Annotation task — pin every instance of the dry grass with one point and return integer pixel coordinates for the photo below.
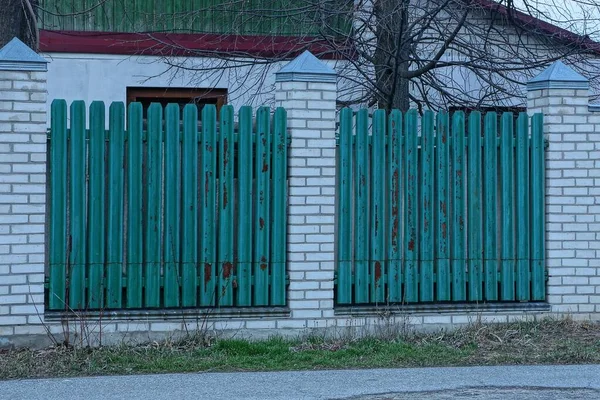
(535, 342)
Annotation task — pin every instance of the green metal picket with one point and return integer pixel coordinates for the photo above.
(149, 238)
(446, 243)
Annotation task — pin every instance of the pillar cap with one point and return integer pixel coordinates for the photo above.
(306, 68)
(17, 56)
(558, 76)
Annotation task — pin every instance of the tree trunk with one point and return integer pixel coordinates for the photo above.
(16, 21)
(392, 53)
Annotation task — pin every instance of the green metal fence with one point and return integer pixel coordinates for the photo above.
(166, 216)
(432, 210)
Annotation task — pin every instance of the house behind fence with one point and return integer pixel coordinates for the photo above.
(267, 222)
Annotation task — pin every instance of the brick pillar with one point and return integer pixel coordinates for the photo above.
(306, 88)
(22, 189)
(572, 189)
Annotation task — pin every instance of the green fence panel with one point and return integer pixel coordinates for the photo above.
(96, 236)
(344, 249)
(226, 207)
(135, 251)
(57, 250)
(522, 209)
(507, 167)
(262, 204)
(442, 255)
(114, 231)
(171, 259)
(427, 225)
(361, 190)
(172, 174)
(279, 217)
(394, 152)
(189, 209)
(458, 207)
(459, 202)
(538, 228)
(77, 189)
(208, 248)
(377, 261)
(490, 187)
(411, 209)
(474, 228)
(153, 226)
(244, 241)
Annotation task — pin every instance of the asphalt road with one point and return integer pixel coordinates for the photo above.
(489, 383)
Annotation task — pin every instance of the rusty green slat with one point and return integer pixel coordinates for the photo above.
(394, 163)
(361, 219)
(538, 229)
(134, 206)
(522, 209)
(474, 228)
(458, 207)
(244, 225)
(344, 256)
(491, 212)
(77, 189)
(96, 235)
(172, 211)
(427, 225)
(226, 208)
(189, 209)
(442, 159)
(114, 245)
(261, 223)
(377, 259)
(57, 256)
(411, 209)
(153, 248)
(507, 168)
(208, 199)
(279, 218)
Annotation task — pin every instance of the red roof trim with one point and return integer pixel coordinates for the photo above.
(170, 44)
(529, 22)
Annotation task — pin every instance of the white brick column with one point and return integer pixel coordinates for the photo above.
(572, 189)
(22, 189)
(306, 88)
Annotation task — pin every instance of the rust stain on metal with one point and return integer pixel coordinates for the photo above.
(377, 271)
(207, 176)
(443, 208)
(411, 244)
(263, 263)
(461, 222)
(234, 284)
(225, 196)
(207, 272)
(226, 154)
(227, 267)
(444, 138)
(265, 166)
(261, 223)
(459, 173)
(444, 230)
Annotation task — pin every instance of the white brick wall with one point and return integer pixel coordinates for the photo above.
(22, 198)
(573, 222)
(572, 198)
(311, 118)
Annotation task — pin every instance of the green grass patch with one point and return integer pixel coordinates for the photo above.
(541, 342)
